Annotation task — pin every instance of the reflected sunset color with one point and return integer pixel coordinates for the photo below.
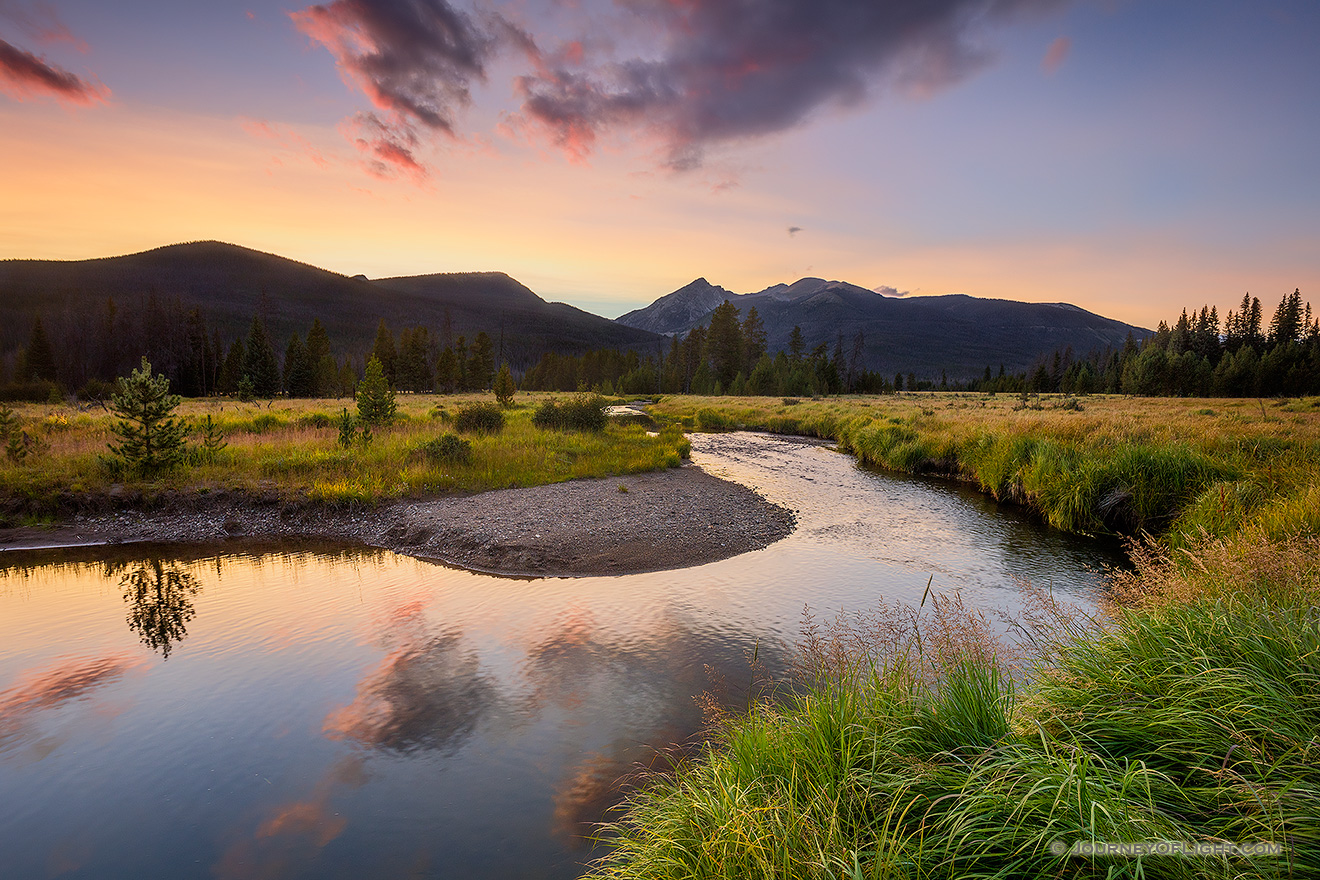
(328, 712)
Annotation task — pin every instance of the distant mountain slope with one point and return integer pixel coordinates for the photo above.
(230, 284)
(680, 309)
(922, 334)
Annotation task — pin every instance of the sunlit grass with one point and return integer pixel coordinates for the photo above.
(290, 449)
(1177, 467)
(1186, 713)
(1188, 717)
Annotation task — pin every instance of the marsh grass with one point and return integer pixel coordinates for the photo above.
(290, 449)
(1119, 465)
(917, 744)
(911, 750)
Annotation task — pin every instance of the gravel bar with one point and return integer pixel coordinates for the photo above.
(618, 525)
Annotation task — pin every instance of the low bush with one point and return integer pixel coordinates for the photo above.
(479, 418)
(316, 420)
(445, 449)
(586, 412)
(713, 420)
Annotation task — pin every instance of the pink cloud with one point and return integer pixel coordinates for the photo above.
(290, 140)
(1055, 55)
(414, 60)
(24, 75)
(41, 22)
(388, 149)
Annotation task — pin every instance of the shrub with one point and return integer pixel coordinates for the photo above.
(97, 390)
(547, 416)
(265, 422)
(34, 392)
(504, 387)
(712, 420)
(586, 412)
(446, 449)
(316, 420)
(479, 418)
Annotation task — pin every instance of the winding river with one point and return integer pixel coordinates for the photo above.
(316, 711)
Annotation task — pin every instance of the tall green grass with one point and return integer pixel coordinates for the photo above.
(915, 749)
(1121, 466)
(1188, 722)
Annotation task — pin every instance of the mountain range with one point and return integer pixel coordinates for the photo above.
(924, 334)
(956, 333)
(230, 284)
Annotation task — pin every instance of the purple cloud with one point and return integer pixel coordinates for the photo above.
(708, 73)
(731, 70)
(23, 75)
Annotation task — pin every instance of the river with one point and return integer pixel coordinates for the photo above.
(319, 711)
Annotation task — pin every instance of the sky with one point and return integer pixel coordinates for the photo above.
(1132, 157)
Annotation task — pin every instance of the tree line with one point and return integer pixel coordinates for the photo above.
(87, 354)
(1196, 356)
(727, 355)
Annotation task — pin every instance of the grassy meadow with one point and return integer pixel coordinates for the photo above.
(914, 743)
(289, 449)
(1173, 467)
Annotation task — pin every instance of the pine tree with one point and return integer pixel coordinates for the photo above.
(796, 344)
(259, 365)
(413, 372)
(724, 343)
(325, 372)
(460, 357)
(198, 357)
(213, 439)
(384, 351)
(375, 398)
(1285, 326)
(297, 369)
(40, 356)
(232, 371)
(753, 339)
(481, 368)
(446, 371)
(150, 438)
(1251, 323)
(504, 387)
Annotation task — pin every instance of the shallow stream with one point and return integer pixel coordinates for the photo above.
(316, 711)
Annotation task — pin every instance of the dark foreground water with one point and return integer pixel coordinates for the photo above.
(316, 712)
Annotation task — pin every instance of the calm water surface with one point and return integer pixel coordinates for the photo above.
(317, 712)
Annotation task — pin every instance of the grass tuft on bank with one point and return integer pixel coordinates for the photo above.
(913, 753)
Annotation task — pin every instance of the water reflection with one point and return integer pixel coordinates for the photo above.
(360, 714)
(427, 694)
(294, 833)
(160, 602)
(46, 691)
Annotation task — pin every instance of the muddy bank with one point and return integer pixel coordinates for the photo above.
(664, 520)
